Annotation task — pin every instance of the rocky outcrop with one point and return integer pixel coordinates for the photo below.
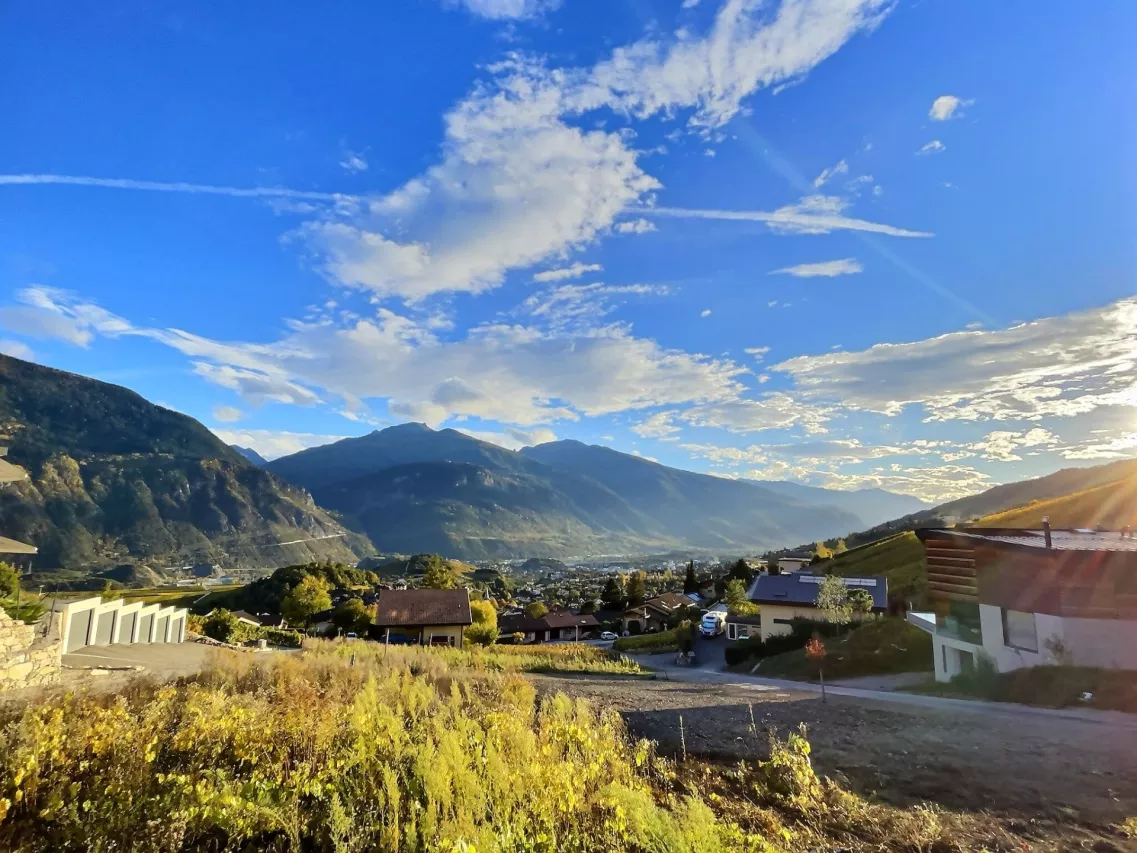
(26, 658)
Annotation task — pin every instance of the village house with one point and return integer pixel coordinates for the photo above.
(655, 614)
(428, 617)
(783, 598)
(1022, 598)
(562, 625)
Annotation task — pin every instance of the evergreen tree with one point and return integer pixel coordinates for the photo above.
(637, 589)
(613, 595)
(740, 570)
(690, 582)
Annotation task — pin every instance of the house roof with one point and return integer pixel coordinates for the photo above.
(398, 608)
(1060, 540)
(244, 614)
(664, 604)
(11, 546)
(744, 620)
(561, 619)
(800, 589)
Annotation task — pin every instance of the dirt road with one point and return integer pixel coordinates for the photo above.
(1043, 768)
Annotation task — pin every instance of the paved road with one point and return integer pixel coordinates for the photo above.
(708, 673)
(163, 659)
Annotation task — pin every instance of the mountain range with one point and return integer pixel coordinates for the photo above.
(412, 488)
(115, 479)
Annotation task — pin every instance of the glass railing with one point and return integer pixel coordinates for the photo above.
(968, 632)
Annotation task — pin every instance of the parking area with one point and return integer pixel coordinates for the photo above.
(164, 660)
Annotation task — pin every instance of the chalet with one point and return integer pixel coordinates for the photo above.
(655, 614)
(1022, 598)
(562, 625)
(428, 617)
(783, 598)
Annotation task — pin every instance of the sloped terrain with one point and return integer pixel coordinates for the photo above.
(114, 478)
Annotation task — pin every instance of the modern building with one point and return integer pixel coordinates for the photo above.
(1023, 598)
(783, 598)
(428, 617)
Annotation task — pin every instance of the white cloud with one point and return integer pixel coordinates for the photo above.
(272, 444)
(518, 183)
(508, 10)
(706, 312)
(689, 4)
(518, 374)
(353, 161)
(935, 484)
(775, 410)
(16, 349)
(582, 304)
(1003, 445)
(933, 147)
(227, 414)
(948, 106)
(1122, 446)
(815, 214)
(513, 439)
(661, 425)
(636, 226)
(758, 352)
(878, 190)
(841, 168)
(48, 312)
(828, 269)
(1054, 367)
(574, 271)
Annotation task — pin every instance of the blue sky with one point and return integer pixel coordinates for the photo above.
(845, 242)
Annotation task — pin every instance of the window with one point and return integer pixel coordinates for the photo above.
(743, 632)
(1019, 631)
(730, 631)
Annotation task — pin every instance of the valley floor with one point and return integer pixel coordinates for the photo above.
(1051, 780)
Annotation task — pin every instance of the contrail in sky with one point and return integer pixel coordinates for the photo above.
(174, 187)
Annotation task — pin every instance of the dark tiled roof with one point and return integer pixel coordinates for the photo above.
(244, 614)
(1060, 540)
(800, 589)
(665, 603)
(525, 624)
(744, 620)
(418, 607)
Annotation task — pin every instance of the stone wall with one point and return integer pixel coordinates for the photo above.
(26, 658)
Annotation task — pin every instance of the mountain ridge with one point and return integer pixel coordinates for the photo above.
(114, 478)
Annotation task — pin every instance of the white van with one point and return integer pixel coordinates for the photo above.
(713, 624)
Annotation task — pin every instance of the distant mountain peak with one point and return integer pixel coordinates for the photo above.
(251, 455)
(409, 427)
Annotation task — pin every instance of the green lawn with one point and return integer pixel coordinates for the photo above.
(879, 647)
(900, 558)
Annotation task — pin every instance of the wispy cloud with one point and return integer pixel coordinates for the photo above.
(227, 414)
(812, 215)
(174, 187)
(353, 161)
(565, 273)
(635, 226)
(948, 106)
(933, 147)
(827, 269)
(840, 169)
(508, 10)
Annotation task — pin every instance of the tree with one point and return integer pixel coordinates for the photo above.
(484, 629)
(840, 547)
(740, 570)
(833, 599)
(9, 581)
(613, 595)
(439, 574)
(772, 566)
(306, 599)
(690, 581)
(821, 551)
(351, 617)
(588, 607)
(536, 609)
(737, 604)
(861, 601)
(637, 589)
(815, 651)
(221, 625)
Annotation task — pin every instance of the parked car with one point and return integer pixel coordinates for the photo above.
(607, 635)
(351, 635)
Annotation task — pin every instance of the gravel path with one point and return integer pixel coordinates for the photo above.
(1042, 767)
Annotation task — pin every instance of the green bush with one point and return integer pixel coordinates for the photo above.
(280, 637)
(661, 641)
(221, 625)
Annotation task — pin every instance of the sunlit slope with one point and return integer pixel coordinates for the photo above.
(1111, 506)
